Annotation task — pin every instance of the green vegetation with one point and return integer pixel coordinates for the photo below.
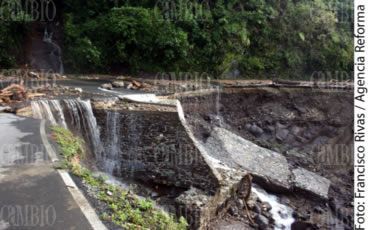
(123, 208)
(259, 37)
(70, 145)
(291, 38)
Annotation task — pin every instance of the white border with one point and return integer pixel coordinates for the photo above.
(361, 107)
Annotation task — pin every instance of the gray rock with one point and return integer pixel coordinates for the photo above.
(270, 129)
(118, 84)
(107, 86)
(266, 206)
(80, 90)
(255, 130)
(256, 209)
(154, 195)
(4, 109)
(236, 152)
(281, 134)
(308, 134)
(295, 130)
(33, 75)
(233, 211)
(318, 210)
(262, 221)
(268, 215)
(311, 182)
(130, 86)
(240, 203)
(295, 153)
(283, 215)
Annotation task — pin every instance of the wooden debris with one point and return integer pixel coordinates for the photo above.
(136, 84)
(33, 95)
(14, 92)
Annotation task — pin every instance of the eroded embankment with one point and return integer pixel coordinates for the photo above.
(311, 128)
(148, 143)
(199, 163)
(153, 144)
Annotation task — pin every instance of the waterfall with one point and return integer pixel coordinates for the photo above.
(50, 110)
(113, 145)
(218, 107)
(76, 113)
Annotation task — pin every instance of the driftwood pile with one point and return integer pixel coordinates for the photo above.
(16, 93)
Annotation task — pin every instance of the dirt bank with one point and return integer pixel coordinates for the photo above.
(312, 128)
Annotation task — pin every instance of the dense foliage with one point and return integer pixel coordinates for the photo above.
(13, 30)
(253, 38)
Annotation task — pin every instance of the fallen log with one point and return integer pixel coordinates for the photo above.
(33, 95)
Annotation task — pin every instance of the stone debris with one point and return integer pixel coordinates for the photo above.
(33, 75)
(79, 90)
(118, 84)
(107, 86)
(269, 168)
(4, 109)
(263, 164)
(311, 182)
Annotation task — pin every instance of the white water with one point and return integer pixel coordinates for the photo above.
(80, 114)
(50, 110)
(282, 214)
(218, 107)
(113, 145)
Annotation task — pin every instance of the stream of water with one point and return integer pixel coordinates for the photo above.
(282, 214)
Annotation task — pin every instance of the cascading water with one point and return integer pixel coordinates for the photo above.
(50, 110)
(76, 113)
(218, 106)
(282, 214)
(113, 146)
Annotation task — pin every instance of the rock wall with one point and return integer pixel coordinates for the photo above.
(154, 147)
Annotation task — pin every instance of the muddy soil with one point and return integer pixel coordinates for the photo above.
(312, 128)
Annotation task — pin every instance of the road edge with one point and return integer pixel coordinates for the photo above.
(76, 193)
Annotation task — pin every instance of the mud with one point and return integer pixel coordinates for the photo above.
(312, 128)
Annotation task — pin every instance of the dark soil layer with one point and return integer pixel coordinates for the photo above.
(312, 128)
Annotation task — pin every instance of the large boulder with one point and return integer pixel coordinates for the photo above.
(268, 167)
(118, 84)
(107, 86)
(311, 183)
